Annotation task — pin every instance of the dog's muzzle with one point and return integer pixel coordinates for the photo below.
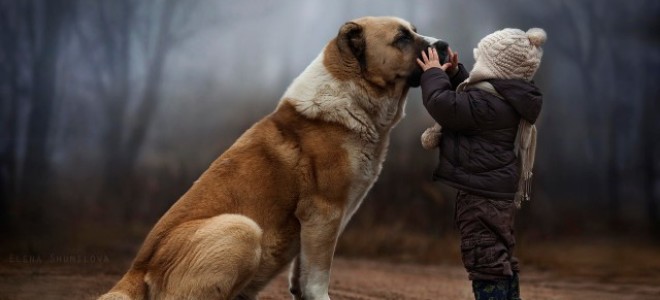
(443, 52)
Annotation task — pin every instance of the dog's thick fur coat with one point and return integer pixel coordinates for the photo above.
(285, 190)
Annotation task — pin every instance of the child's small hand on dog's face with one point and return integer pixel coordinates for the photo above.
(452, 57)
(432, 60)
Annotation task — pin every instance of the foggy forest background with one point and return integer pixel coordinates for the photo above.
(109, 110)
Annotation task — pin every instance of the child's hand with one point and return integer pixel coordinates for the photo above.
(433, 61)
(452, 57)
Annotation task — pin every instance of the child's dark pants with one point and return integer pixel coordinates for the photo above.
(487, 241)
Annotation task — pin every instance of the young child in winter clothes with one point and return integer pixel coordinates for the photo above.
(487, 145)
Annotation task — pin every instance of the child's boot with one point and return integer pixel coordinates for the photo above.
(514, 287)
(491, 289)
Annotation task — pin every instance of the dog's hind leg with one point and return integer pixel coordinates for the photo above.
(213, 258)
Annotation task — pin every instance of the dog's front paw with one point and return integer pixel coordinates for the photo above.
(312, 296)
(296, 293)
(296, 297)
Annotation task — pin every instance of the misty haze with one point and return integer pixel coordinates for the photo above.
(110, 110)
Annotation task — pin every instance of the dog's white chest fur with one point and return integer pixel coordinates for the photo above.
(317, 94)
(366, 163)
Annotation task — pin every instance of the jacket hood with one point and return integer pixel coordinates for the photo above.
(523, 95)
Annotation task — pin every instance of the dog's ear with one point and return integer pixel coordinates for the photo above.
(351, 40)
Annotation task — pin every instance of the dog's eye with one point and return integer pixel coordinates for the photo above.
(403, 40)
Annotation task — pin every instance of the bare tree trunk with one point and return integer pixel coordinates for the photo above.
(45, 45)
(147, 106)
(649, 135)
(613, 180)
(116, 99)
(9, 87)
(615, 121)
(114, 27)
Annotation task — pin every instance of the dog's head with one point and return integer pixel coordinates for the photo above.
(385, 49)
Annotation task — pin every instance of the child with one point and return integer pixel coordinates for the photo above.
(487, 147)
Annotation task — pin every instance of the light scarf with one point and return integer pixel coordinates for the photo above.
(525, 146)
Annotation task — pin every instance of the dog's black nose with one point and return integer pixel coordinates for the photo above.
(442, 47)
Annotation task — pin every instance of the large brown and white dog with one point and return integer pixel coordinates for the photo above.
(286, 189)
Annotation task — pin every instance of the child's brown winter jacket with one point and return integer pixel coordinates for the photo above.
(479, 130)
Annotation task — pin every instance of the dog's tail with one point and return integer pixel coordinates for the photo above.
(131, 287)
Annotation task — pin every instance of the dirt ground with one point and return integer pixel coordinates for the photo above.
(57, 277)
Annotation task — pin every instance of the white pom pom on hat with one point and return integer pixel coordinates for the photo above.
(537, 36)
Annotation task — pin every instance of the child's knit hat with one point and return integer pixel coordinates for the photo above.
(508, 54)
